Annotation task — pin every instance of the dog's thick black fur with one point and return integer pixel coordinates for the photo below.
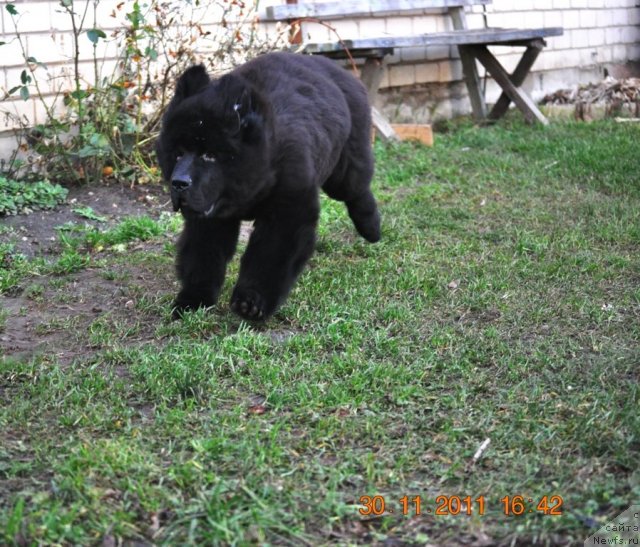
(258, 144)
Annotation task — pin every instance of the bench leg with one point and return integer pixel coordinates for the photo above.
(472, 79)
(371, 76)
(382, 125)
(513, 91)
(469, 67)
(519, 74)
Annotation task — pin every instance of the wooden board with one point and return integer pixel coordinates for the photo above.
(355, 8)
(382, 126)
(414, 132)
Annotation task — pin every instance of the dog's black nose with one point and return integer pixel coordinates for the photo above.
(179, 184)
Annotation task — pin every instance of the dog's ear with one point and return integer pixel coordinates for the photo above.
(249, 107)
(193, 80)
(246, 107)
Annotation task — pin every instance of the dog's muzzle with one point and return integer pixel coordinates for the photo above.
(181, 179)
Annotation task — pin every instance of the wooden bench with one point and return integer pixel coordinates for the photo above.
(472, 45)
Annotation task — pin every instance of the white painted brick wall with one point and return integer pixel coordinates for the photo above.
(544, 5)
(579, 3)
(399, 26)
(570, 19)
(402, 75)
(596, 37)
(372, 27)
(427, 73)
(579, 38)
(425, 24)
(561, 4)
(533, 19)
(613, 35)
(620, 17)
(341, 29)
(589, 18)
(450, 70)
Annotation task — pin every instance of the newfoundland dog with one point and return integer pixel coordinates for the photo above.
(258, 144)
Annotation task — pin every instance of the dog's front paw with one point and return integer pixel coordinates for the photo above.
(180, 308)
(249, 304)
(184, 303)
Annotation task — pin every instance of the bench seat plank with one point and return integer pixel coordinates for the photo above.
(494, 36)
(359, 8)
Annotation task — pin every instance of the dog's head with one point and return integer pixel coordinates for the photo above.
(213, 147)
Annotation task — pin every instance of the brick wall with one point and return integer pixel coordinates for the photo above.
(47, 37)
(598, 34)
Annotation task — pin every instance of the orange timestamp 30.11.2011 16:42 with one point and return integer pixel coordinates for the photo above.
(458, 505)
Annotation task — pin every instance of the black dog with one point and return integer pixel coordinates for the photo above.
(258, 144)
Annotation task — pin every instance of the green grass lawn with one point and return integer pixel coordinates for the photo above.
(502, 303)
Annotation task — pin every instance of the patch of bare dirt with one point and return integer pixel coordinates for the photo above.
(36, 233)
(52, 315)
(60, 316)
(57, 322)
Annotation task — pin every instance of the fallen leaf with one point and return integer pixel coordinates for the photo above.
(257, 409)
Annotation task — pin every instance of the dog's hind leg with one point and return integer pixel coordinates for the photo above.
(350, 182)
(363, 211)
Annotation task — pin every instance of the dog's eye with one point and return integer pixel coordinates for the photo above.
(208, 158)
(225, 155)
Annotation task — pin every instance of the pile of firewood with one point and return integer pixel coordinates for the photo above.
(619, 97)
